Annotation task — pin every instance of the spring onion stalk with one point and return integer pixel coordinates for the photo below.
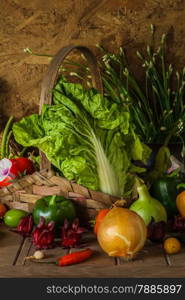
(6, 137)
(161, 104)
(154, 109)
(7, 144)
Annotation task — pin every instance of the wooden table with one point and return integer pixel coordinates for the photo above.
(150, 262)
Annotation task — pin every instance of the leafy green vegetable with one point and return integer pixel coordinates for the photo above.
(88, 138)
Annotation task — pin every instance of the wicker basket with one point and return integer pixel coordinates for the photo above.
(26, 191)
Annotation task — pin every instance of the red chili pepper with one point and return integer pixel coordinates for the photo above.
(75, 258)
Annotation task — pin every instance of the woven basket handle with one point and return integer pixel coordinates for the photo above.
(51, 78)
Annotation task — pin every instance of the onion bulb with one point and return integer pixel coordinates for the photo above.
(122, 233)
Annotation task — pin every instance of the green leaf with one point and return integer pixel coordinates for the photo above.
(86, 137)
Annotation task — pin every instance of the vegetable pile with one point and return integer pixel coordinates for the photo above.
(97, 141)
(86, 137)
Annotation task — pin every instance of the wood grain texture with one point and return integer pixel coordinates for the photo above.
(151, 254)
(50, 271)
(99, 257)
(46, 28)
(150, 261)
(9, 245)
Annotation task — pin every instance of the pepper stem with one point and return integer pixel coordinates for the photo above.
(53, 200)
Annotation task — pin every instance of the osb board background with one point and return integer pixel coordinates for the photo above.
(45, 26)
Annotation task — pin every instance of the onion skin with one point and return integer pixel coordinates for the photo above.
(122, 233)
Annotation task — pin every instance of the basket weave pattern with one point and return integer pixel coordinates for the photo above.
(24, 192)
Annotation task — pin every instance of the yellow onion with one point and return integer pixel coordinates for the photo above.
(122, 233)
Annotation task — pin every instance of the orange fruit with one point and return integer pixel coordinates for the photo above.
(3, 210)
(180, 203)
(172, 245)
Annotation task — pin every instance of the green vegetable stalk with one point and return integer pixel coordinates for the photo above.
(147, 207)
(109, 182)
(5, 140)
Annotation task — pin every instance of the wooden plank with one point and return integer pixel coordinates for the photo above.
(150, 261)
(51, 255)
(9, 245)
(26, 246)
(99, 257)
(89, 240)
(79, 271)
(150, 254)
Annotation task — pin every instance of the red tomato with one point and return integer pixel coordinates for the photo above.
(22, 165)
(11, 168)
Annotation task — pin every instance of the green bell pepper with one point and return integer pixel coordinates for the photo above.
(165, 190)
(54, 208)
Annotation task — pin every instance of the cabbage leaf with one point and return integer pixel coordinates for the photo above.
(86, 137)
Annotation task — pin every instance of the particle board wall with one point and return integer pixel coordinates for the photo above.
(45, 26)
